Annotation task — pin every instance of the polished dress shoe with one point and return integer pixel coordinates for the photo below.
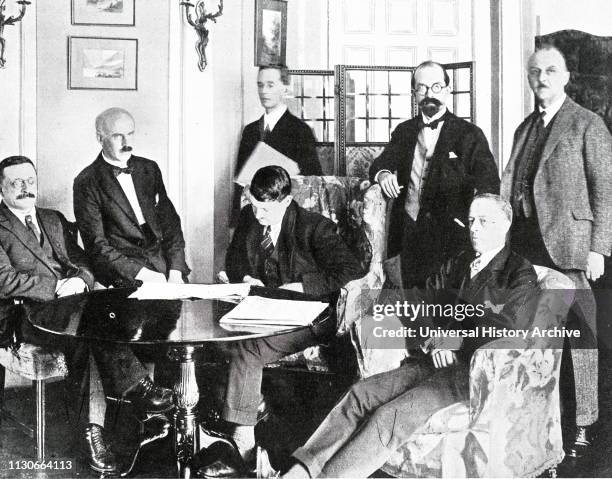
(101, 458)
(219, 460)
(153, 428)
(581, 443)
(147, 396)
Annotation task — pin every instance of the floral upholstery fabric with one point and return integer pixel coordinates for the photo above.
(360, 158)
(511, 425)
(34, 362)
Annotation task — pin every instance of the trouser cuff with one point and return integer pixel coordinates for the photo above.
(244, 418)
(309, 461)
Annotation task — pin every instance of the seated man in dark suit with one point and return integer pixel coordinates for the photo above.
(277, 127)
(280, 245)
(129, 226)
(381, 412)
(41, 260)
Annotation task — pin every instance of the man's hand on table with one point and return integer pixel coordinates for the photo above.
(175, 276)
(149, 276)
(68, 286)
(299, 287)
(443, 358)
(252, 281)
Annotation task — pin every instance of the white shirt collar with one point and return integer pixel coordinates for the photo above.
(22, 214)
(483, 260)
(119, 164)
(552, 109)
(428, 120)
(271, 119)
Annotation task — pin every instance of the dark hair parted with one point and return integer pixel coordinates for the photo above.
(12, 161)
(429, 64)
(271, 183)
(283, 71)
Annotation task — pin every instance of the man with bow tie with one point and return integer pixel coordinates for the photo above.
(380, 413)
(129, 226)
(433, 166)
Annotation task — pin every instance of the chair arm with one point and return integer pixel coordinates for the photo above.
(514, 398)
(357, 298)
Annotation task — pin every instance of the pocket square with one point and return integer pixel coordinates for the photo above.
(452, 155)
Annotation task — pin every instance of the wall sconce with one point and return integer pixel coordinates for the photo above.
(4, 20)
(200, 27)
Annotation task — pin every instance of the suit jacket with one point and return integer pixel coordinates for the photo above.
(310, 251)
(449, 187)
(290, 136)
(572, 188)
(114, 241)
(25, 271)
(508, 281)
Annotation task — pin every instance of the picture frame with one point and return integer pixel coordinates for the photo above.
(96, 63)
(270, 32)
(103, 12)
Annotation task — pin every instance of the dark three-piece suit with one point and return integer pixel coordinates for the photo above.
(30, 271)
(461, 166)
(117, 246)
(308, 251)
(381, 412)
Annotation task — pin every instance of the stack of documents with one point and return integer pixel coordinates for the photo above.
(186, 291)
(265, 155)
(258, 311)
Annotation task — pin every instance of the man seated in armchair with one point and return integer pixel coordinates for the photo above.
(378, 414)
(41, 260)
(279, 245)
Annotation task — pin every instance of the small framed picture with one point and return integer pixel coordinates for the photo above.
(270, 32)
(102, 63)
(104, 12)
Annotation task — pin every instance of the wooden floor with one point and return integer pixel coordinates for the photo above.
(300, 401)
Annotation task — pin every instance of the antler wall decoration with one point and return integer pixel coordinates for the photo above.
(4, 20)
(199, 24)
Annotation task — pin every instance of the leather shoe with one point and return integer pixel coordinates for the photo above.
(581, 443)
(219, 460)
(147, 396)
(263, 411)
(101, 458)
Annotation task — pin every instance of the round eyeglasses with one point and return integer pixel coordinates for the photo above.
(423, 89)
(19, 183)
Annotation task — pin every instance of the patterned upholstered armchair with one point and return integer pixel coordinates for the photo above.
(360, 213)
(511, 425)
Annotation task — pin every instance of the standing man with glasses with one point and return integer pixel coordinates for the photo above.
(559, 181)
(433, 166)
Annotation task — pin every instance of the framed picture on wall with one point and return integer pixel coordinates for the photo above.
(102, 63)
(103, 12)
(270, 32)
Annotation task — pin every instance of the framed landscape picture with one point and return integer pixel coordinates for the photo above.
(102, 63)
(103, 12)
(270, 32)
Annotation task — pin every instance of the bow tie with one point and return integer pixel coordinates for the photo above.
(433, 125)
(127, 170)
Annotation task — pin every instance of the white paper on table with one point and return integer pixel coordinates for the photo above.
(265, 155)
(184, 291)
(258, 310)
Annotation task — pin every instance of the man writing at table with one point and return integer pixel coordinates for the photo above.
(41, 260)
(129, 226)
(277, 244)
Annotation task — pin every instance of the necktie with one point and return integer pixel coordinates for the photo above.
(32, 227)
(475, 266)
(266, 132)
(267, 246)
(127, 170)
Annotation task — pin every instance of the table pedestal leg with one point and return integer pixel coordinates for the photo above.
(187, 397)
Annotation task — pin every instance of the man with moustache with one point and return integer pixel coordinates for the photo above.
(41, 260)
(129, 226)
(433, 166)
(559, 181)
(378, 414)
(278, 127)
